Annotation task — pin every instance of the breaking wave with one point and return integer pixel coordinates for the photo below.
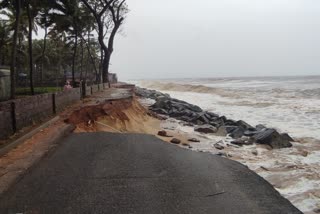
(189, 88)
(180, 87)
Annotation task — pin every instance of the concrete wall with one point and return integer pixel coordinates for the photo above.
(35, 109)
(32, 110)
(4, 84)
(66, 98)
(5, 120)
(95, 89)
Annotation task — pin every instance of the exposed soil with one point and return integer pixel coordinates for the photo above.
(121, 116)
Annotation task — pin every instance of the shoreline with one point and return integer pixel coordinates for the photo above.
(292, 171)
(282, 168)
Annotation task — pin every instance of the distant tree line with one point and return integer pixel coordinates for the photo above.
(78, 34)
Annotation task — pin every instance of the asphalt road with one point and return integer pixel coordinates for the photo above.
(131, 173)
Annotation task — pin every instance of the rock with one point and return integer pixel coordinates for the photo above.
(186, 144)
(151, 94)
(244, 125)
(160, 111)
(287, 136)
(255, 152)
(249, 133)
(316, 210)
(272, 138)
(304, 153)
(184, 118)
(222, 119)
(194, 140)
(238, 142)
(260, 127)
(222, 131)
(163, 134)
(184, 105)
(175, 141)
(176, 113)
(162, 98)
(222, 154)
(188, 113)
(206, 129)
(212, 115)
(204, 119)
(237, 133)
(215, 124)
(225, 130)
(230, 123)
(218, 146)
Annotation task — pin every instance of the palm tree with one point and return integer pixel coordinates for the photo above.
(71, 18)
(5, 37)
(15, 6)
(44, 20)
(31, 13)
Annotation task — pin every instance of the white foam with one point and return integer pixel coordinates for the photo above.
(290, 105)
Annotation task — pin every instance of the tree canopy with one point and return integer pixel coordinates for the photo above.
(78, 40)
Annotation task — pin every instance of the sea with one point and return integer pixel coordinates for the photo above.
(288, 104)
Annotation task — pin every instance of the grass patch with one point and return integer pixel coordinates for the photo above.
(37, 90)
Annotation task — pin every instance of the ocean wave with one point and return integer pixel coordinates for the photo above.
(311, 93)
(189, 88)
(237, 93)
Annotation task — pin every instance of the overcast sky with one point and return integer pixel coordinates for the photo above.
(214, 38)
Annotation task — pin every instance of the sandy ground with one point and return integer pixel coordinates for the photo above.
(124, 116)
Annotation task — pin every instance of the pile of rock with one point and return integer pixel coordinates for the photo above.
(150, 94)
(208, 122)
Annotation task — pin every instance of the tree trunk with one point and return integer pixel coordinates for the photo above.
(74, 58)
(105, 67)
(81, 62)
(43, 53)
(107, 57)
(30, 48)
(14, 49)
(91, 58)
(101, 65)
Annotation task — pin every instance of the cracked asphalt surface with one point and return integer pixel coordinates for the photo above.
(135, 173)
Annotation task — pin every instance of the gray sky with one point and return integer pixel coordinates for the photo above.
(214, 38)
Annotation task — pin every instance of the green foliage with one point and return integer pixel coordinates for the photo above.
(37, 90)
(70, 39)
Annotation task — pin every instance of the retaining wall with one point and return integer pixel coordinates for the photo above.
(19, 113)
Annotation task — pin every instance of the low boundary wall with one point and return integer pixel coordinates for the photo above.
(19, 113)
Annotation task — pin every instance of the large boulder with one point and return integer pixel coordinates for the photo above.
(241, 142)
(162, 104)
(185, 106)
(160, 111)
(175, 141)
(218, 146)
(206, 129)
(245, 125)
(225, 130)
(287, 136)
(163, 133)
(176, 113)
(230, 123)
(272, 138)
(260, 127)
(194, 140)
(237, 133)
(151, 94)
(162, 98)
(212, 115)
